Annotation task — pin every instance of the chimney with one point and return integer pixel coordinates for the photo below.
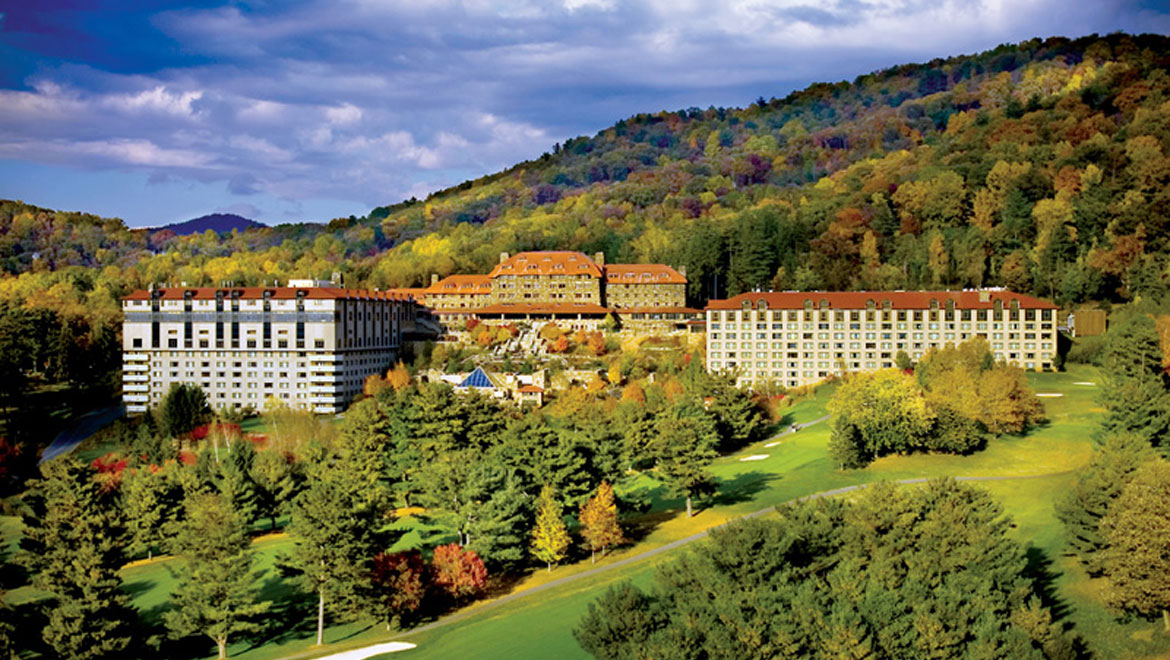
(682, 270)
(503, 257)
(984, 295)
(599, 258)
(434, 279)
(337, 278)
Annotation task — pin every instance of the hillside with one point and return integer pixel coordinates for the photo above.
(216, 222)
(1039, 166)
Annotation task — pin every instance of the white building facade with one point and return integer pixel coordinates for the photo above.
(309, 345)
(796, 338)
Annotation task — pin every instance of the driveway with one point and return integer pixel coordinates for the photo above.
(80, 429)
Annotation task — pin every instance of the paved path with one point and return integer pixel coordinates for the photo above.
(774, 440)
(80, 429)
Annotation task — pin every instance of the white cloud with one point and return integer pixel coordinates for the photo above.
(346, 113)
(156, 99)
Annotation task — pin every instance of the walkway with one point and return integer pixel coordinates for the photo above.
(80, 429)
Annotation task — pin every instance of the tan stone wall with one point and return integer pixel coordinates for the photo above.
(566, 289)
(646, 295)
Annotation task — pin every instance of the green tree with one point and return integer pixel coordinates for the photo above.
(599, 522)
(498, 531)
(183, 408)
(1137, 530)
(684, 449)
(73, 544)
(275, 476)
(235, 480)
(550, 537)
(876, 414)
(1134, 390)
(333, 553)
(1098, 486)
(152, 499)
(902, 360)
(216, 594)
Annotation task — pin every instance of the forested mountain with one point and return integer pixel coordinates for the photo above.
(1040, 166)
(216, 222)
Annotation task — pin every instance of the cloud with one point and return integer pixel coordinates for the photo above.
(367, 101)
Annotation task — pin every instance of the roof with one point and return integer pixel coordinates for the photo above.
(967, 299)
(547, 263)
(542, 308)
(530, 389)
(658, 310)
(642, 274)
(462, 284)
(274, 293)
(477, 378)
(419, 294)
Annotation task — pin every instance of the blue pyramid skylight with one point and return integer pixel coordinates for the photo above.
(476, 378)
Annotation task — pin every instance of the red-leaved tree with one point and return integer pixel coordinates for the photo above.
(399, 580)
(458, 573)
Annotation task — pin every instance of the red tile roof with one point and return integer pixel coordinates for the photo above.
(276, 293)
(547, 263)
(657, 310)
(530, 389)
(642, 274)
(898, 299)
(462, 284)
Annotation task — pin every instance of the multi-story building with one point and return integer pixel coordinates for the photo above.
(309, 345)
(458, 291)
(797, 338)
(645, 285)
(546, 277)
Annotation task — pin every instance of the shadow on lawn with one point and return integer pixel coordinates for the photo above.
(743, 488)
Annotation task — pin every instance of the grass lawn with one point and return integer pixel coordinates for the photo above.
(540, 626)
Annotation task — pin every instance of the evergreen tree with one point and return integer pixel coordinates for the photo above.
(497, 532)
(1137, 530)
(1134, 390)
(1096, 489)
(183, 408)
(73, 544)
(152, 500)
(599, 522)
(215, 595)
(684, 448)
(550, 537)
(235, 480)
(275, 476)
(338, 525)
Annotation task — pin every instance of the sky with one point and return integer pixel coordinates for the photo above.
(306, 110)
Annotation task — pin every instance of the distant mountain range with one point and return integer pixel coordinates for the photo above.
(216, 222)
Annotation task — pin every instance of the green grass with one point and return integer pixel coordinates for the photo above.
(540, 626)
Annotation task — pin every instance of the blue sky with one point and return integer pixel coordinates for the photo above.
(307, 110)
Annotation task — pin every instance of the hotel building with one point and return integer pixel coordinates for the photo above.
(797, 338)
(310, 344)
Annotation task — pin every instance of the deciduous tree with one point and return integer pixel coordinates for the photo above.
(550, 537)
(1137, 530)
(599, 522)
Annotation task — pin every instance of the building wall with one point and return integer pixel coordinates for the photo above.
(568, 288)
(240, 357)
(795, 347)
(645, 295)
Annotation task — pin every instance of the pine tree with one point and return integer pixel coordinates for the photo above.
(338, 524)
(275, 476)
(235, 480)
(151, 501)
(73, 545)
(550, 537)
(1137, 529)
(684, 448)
(183, 408)
(1096, 489)
(497, 533)
(599, 522)
(1134, 390)
(215, 595)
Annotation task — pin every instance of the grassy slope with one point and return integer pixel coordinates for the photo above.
(540, 626)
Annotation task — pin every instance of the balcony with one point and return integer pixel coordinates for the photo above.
(135, 357)
(334, 390)
(135, 408)
(136, 388)
(135, 367)
(134, 377)
(143, 398)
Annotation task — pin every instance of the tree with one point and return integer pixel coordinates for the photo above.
(183, 408)
(333, 553)
(216, 593)
(684, 447)
(1095, 491)
(1137, 529)
(275, 476)
(902, 360)
(235, 480)
(1134, 390)
(398, 580)
(599, 522)
(398, 377)
(876, 414)
(73, 544)
(550, 537)
(498, 532)
(152, 499)
(457, 573)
